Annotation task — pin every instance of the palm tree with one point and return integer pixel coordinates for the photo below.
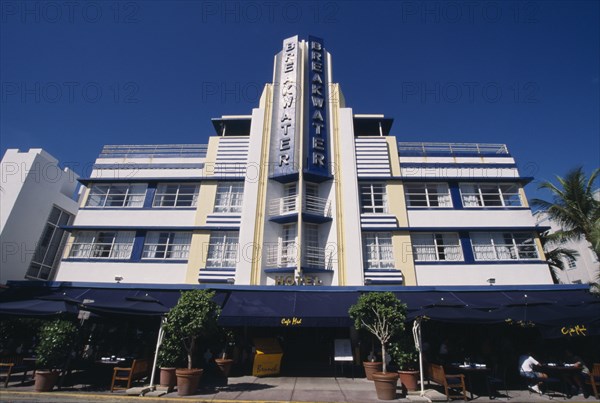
(573, 206)
(555, 257)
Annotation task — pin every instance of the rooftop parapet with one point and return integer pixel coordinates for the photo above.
(154, 151)
(452, 149)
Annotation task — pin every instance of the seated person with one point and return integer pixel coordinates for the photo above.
(576, 379)
(526, 370)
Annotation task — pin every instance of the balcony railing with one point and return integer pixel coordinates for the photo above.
(407, 148)
(312, 257)
(155, 151)
(289, 204)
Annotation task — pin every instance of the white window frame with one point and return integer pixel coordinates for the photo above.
(175, 198)
(52, 241)
(500, 197)
(490, 246)
(378, 250)
(229, 197)
(442, 246)
(435, 195)
(368, 194)
(96, 244)
(103, 195)
(222, 249)
(164, 245)
(288, 249)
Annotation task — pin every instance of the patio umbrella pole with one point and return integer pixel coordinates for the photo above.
(418, 344)
(159, 340)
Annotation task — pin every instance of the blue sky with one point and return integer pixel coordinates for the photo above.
(77, 75)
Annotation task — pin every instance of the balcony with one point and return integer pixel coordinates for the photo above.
(452, 149)
(284, 259)
(285, 209)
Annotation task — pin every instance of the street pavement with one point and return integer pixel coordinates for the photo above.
(262, 390)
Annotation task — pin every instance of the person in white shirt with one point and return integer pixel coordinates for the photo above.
(527, 370)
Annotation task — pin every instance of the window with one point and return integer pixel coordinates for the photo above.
(504, 246)
(102, 244)
(117, 195)
(373, 198)
(378, 250)
(436, 247)
(222, 249)
(176, 195)
(571, 262)
(167, 245)
(289, 198)
(314, 256)
(289, 251)
(229, 197)
(52, 241)
(427, 195)
(490, 195)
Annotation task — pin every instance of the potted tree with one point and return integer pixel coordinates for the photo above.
(404, 353)
(195, 315)
(382, 314)
(56, 340)
(170, 355)
(223, 363)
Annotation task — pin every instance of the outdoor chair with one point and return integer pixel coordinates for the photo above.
(594, 379)
(454, 382)
(140, 368)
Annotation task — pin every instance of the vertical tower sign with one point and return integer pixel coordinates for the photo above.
(317, 155)
(285, 101)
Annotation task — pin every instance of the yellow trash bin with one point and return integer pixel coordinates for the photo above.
(267, 360)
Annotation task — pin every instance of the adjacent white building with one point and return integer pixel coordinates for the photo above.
(37, 199)
(584, 268)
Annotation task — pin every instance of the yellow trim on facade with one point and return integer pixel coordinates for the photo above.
(540, 249)
(211, 156)
(83, 200)
(337, 181)
(206, 201)
(523, 197)
(403, 256)
(197, 256)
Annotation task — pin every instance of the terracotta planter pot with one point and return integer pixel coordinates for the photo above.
(45, 380)
(224, 366)
(409, 380)
(187, 380)
(372, 367)
(385, 385)
(168, 378)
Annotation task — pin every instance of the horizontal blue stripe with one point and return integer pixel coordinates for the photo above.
(107, 260)
(137, 208)
(455, 229)
(450, 154)
(87, 181)
(468, 208)
(149, 166)
(478, 262)
(443, 179)
(321, 288)
(455, 165)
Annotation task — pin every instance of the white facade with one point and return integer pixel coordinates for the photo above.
(585, 268)
(304, 191)
(32, 185)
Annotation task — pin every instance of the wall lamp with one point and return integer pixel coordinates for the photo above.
(492, 281)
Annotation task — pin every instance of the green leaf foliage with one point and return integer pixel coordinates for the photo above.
(382, 314)
(403, 352)
(195, 315)
(171, 353)
(56, 340)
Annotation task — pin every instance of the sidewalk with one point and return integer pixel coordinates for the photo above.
(252, 389)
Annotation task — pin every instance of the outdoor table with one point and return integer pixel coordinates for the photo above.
(470, 371)
(106, 365)
(560, 371)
